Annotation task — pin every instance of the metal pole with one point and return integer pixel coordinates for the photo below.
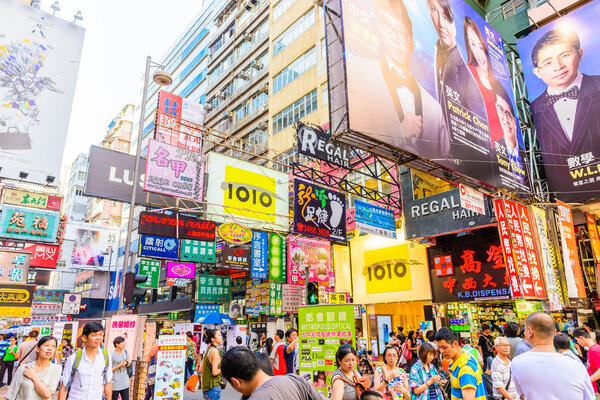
(138, 150)
(108, 283)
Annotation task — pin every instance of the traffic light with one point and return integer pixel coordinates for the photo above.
(312, 293)
(131, 292)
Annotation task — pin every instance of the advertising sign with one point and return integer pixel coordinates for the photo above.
(213, 289)
(174, 171)
(444, 96)
(594, 238)
(46, 308)
(322, 329)
(479, 270)
(16, 300)
(40, 58)
(257, 298)
(170, 364)
(236, 258)
(259, 268)
(198, 250)
(252, 193)
(71, 303)
(374, 219)
(92, 243)
(64, 330)
(277, 257)
(203, 309)
(152, 269)
(471, 199)
(510, 256)
(291, 298)
(28, 224)
(319, 211)
(43, 255)
(313, 255)
(532, 257)
(181, 270)
(563, 83)
(49, 295)
(573, 273)
(179, 121)
(316, 143)
(25, 198)
(125, 326)
(181, 226)
(14, 266)
(235, 233)
(275, 300)
(387, 269)
(158, 246)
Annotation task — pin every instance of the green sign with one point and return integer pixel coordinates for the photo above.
(198, 250)
(277, 258)
(213, 289)
(275, 302)
(322, 330)
(152, 269)
(28, 223)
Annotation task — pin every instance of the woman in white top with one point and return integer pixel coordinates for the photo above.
(37, 380)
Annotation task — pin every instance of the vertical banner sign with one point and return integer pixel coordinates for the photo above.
(532, 256)
(260, 254)
(275, 300)
(170, 364)
(573, 273)
(277, 257)
(516, 234)
(511, 268)
(312, 254)
(179, 121)
(595, 241)
(322, 329)
(152, 269)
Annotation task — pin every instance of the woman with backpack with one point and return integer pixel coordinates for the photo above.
(120, 364)
(37, 380)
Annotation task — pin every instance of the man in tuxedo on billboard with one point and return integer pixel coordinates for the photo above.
(567, 116)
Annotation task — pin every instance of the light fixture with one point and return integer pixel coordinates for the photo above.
(162, 78)
(50, 179)
(77, 16)
(23, 175)
(55, 7)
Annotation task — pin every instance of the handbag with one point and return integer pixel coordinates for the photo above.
(405, 352)
(192, 384)
(129, 366)
(361, 383)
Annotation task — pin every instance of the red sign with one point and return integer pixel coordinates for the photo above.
(443, 266)
(182, 226)
(532, 256)
(511, 268)
(43, 255)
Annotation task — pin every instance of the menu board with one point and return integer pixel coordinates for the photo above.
(170, 363)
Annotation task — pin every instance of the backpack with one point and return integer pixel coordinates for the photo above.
(78, 356)
(489, 385)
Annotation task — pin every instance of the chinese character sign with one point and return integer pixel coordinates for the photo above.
(313, 255)
(374, 219)
(573, 273)
(292, 298)
(181, 270)
(174, 171)
(260, 255)
(322, 329)
(14, 266)
(26, 223)
(33, 200)
(49, 295)
(236, 258)
(257, 298)
(152, 269)
(532, 256)
(203, 309)
(170, 364)
(16, 300)
(179, 121)
(319, 211)
(125, 326)
(43, 255)
(511, 265)
(277, 257)
(275, 301)
(198, 250)
(213, 289)
(158, 246)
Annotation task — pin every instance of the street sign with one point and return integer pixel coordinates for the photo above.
(71, 303)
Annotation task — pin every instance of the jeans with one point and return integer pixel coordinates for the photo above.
(124, 394)
(189, 368)
(488, 362)
(213, 394)
(7, 366)
(149, 392)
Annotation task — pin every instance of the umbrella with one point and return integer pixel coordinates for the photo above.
(216, 318)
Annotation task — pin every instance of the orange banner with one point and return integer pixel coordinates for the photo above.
(573, 273)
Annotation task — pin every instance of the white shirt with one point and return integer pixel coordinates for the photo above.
(87, 383)
(551, 376)
(566, 108)
(407, 99)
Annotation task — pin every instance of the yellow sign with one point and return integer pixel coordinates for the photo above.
(235, 233)
(387, 269)
(34, 200)
(337, 298)
(15, 311)
(249, 194)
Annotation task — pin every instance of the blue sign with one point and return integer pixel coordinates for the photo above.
(260, 254)
(112, 302)
(202, 309)
(374, 219)
(160, 247)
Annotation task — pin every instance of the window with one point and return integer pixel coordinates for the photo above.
(294, 31)
(511, 7)
(240, 113)
(324, 95)
(295, 112)
(224, 125)
(163, 293)
(290, 73)
(258, 136)
(257, 101)
(81, 175)
(323, 48)
(261, 31)
(280, 8)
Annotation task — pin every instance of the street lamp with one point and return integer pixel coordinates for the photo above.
(161, 78)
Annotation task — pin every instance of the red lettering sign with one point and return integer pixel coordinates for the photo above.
(511, 268)
(532, 256)
(43, 255)
(182, 226)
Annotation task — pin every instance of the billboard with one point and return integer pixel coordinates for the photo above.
(563, 84)
(181, 226)
(28, 224)
(374, 219)
(249, 192)
(14, 266)
(181, 270)
(159, 246)
(25, 198)
(442, 85)
(92, 243)
(174, 171)
(179, 121)
(43, 255)
(16, 300)
(39, 59)
(309, 254)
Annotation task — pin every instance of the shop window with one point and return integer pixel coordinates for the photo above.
(426, 185)
(182, 292)
(163, 293)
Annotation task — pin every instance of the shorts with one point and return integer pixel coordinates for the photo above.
(213, 394)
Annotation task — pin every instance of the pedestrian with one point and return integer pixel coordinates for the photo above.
(264, 363)
(242, 370)
(562, 344)
(511, 332)
(88, 374)
(268, 347)
(401, 336)
(393, 340)
(412, 347)
(210, 368)
(504, 385)
(290, 351)
(486, 347)
(37, 380)
(584, 339)
(371, 395)
(343, 379)
(390, 379)
(190, 355)
(466, 345)
(150, 378)
(542, 373)
(466, 379)
(424, 380)
(420, 338)
(277, 354)
(26, 353)
(524, 346)
(66, 351)
(8, 361)
(120, 363)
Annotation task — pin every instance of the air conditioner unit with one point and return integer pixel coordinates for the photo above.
(208, 107)
(257, 65)
(244, 75)
(218, 22)
(264, 88)
(263, 109)
(262, 125)
(227, 114)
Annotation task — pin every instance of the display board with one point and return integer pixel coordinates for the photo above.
(170, 363)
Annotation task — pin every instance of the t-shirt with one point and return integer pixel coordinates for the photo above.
(514, 343)
(120, 378)
(289, 360)
(501, 376)
(279, 367)
(551, 376)
(25, 348)
(593, 363)
(486, 343)
(465, 373)
(285, 387)
(522, 347)
(11, 353)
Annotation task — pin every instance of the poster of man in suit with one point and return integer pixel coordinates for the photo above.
(564, 88)
(420, 77)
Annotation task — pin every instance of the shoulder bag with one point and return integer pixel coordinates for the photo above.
(361, 383)
(129, 365)
(387, 392)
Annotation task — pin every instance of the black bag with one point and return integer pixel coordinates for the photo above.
(129, 366)
(489, 386)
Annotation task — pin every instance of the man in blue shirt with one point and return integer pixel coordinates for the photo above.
(290, 351)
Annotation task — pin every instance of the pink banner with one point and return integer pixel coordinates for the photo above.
(181, 270)
(314, 254)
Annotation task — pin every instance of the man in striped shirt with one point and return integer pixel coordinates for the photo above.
(465, 373)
